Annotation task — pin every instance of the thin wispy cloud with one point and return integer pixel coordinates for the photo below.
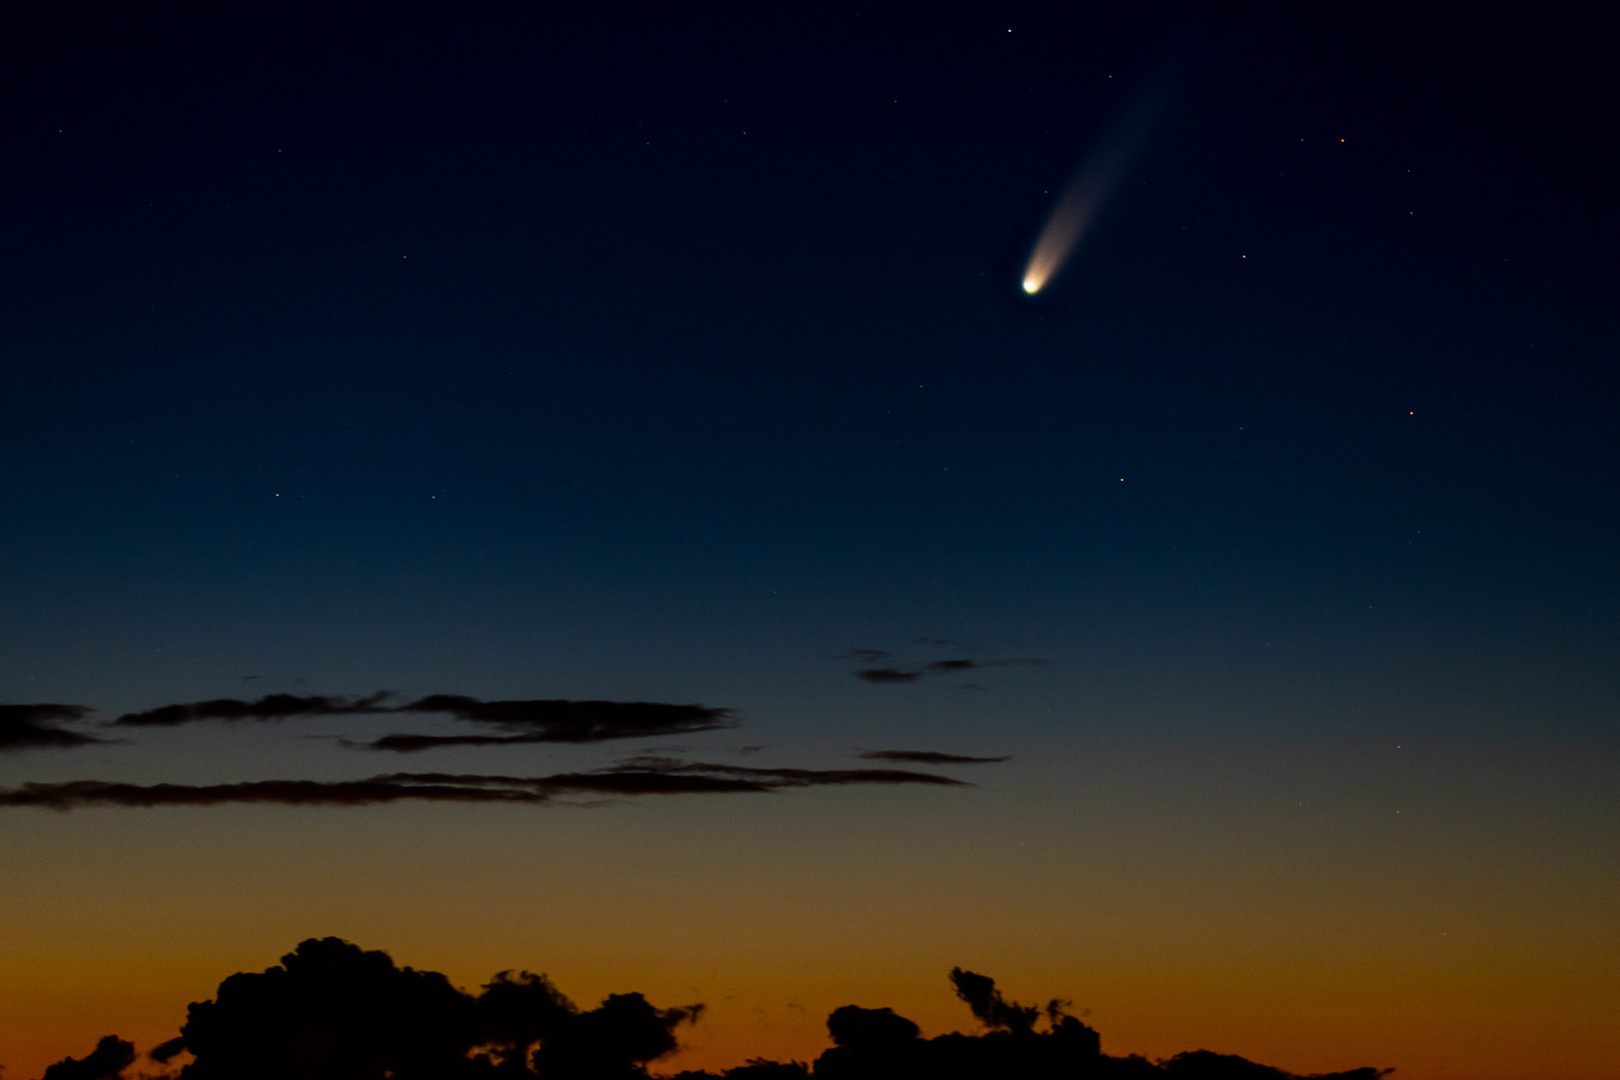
(783, 778)
(38, 726)
(269, 707)
(955, 666)
(643, 776)
(514, 722)
(524, 721)
(928, 757)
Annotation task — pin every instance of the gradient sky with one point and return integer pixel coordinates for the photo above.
(678, 355)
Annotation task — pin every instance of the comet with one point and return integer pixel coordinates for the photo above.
(1098, 174)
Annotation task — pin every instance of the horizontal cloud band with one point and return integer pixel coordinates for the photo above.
(540, 720)
(644, 777)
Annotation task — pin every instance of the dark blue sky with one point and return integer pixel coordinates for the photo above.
(641, 311)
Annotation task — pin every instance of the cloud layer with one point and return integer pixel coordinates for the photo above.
(514, 721)
(646, 776)
(928, 757)
(536, 721)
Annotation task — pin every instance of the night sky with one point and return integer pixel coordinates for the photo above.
(645, 404)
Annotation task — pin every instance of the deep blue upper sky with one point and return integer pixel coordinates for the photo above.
(338, 347)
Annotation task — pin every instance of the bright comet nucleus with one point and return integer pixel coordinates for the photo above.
(1088, 190)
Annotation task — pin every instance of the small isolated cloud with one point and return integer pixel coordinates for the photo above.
(953, 666)
(928, 757)
(642, 776)
(887, 675)
(32, 727)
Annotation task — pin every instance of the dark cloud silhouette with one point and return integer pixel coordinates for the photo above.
(928, 757)
(579, 721)
(651, 782)
(887, 675)
(333, 1011)
(876, 1044)
(269, 707)
(32, 727)
(986, 1002)
(779, 778)
(72, 794)
(645, 776)
(107, 1061)
(867, 1031)
(526, 721)
(408, 744)
(940, 667)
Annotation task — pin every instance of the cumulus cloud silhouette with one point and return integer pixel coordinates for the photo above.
(643, 776)
(107, 1061)
(333, 1011)
(32, 727)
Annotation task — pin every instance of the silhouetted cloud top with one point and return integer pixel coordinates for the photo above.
(332, 1011)
(870, 1030)
(107, 1061)
(32, 727)
(540, 720)
(645, 776)
(987, 1004)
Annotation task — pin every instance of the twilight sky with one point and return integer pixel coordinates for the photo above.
(636, 415)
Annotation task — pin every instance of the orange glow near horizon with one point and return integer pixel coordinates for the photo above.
(810, 906)
(1301, 1027)
(1185, 908)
